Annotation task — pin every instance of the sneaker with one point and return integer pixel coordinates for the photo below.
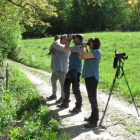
(87, 119)
(63, 105)
(75, 110)
(60, 100)
(91, 125)
(52, 97)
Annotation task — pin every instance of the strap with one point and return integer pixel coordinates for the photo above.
(118, 69)
(75, 73)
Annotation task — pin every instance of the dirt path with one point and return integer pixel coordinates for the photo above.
(120, 115)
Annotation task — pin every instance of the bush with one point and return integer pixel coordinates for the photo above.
(10, 37)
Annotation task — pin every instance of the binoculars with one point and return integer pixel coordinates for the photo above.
(73, 37)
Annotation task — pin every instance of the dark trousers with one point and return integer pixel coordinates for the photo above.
(91, 86)
(74, 78)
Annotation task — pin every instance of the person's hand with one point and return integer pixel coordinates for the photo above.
(57, 37)
(84, 43)
(70, 36)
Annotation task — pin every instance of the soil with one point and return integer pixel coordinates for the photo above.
(120, 117)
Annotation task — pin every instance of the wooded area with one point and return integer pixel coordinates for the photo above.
(80, 16)
(42, 18)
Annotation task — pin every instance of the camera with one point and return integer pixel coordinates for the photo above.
(118, 56)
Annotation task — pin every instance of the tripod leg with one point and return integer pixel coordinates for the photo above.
(108, 100)
(131, 93)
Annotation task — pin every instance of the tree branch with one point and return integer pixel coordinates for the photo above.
(20, 5)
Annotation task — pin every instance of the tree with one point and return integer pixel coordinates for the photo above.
(27, 11)
(13, 13)
(133, 8)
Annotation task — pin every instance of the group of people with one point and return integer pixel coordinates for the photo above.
(66, 65)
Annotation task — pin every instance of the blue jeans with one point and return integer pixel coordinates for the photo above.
(73, 77)
(91, 86)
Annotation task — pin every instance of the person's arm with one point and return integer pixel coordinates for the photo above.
(84, 54)
(81, 54)
(59, 46)
(87, 55)
(52, 46)
(67, 46)
(82, 50)
(55, 39)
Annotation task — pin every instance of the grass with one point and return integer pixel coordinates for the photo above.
(23, 112)
(33, 52)
(133, 128)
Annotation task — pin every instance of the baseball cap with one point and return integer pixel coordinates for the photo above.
(80, 36)
(65, 35)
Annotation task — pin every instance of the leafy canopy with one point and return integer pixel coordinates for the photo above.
(27, 11)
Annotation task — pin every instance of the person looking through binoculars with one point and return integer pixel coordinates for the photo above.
(91, 75)
(59, 65)
(73, 75)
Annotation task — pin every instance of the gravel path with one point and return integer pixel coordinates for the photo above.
(120, 116)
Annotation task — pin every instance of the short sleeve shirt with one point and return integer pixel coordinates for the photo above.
(74, 61)
(91, 66)
(76, 48)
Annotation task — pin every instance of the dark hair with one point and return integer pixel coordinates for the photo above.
(96, 42)
(61, 37)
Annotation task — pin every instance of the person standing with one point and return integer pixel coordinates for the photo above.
(73, 75)
(59, 65)
(91, 75)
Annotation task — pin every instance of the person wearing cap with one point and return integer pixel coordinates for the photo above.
(73, 75)
(91, 75)
(59, 65)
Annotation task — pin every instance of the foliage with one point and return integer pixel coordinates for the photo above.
(85, 16)
(15, 13)
(24, 114)
(10, 35)
(28, 11)
(133, 8)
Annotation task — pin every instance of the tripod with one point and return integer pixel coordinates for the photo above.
(117, 76)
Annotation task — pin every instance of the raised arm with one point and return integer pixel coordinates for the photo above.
(59, 46)
(81, 53)
(83, 50)
(84, 54)
(67, 46)
(55, 39)
(52, 46)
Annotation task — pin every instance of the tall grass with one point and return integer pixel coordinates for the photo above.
(33, 52)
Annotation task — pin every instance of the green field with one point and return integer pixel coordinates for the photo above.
(33, 52)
